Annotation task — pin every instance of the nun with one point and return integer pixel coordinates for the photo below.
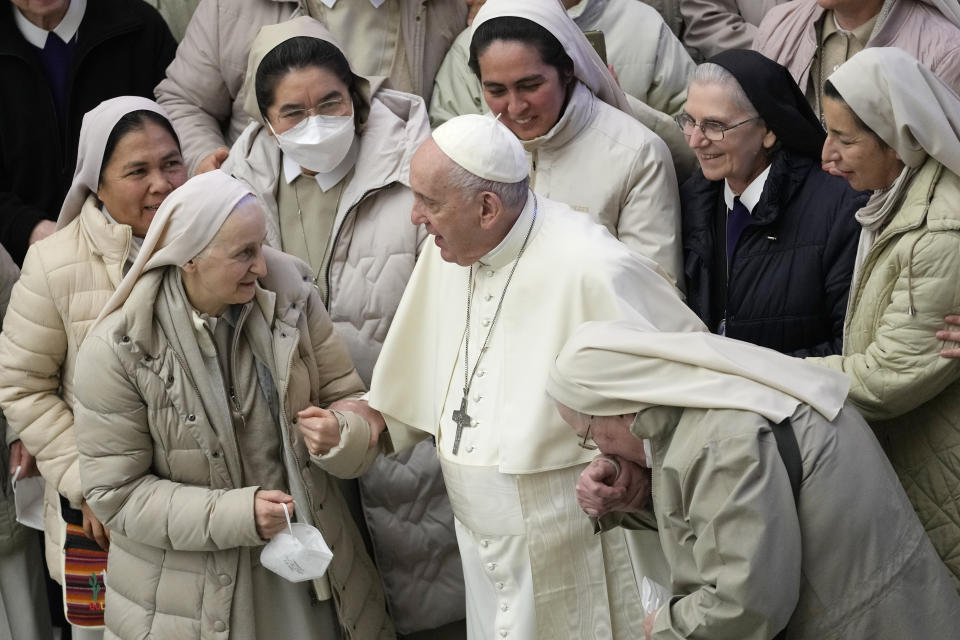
(194, 393)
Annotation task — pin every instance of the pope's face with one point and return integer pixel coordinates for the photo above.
(452, 219)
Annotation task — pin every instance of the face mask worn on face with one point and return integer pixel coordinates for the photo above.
(318, 143)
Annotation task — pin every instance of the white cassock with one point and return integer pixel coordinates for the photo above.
(532, 565)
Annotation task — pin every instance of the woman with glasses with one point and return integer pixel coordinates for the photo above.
(768, 236)
(328, 157)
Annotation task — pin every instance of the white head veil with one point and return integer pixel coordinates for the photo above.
(550, 14)
(96, 128)
(904, 103)
(612, 368)
(185, 223)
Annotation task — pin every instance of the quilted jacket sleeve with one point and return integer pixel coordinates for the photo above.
(195, 93)
(713, 26)
(116, 456)
(33, 346)
(901, 368)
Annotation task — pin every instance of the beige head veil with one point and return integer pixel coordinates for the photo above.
(550, 14)
(185, 223)
(904, 103)
(96, 128)
(271, 36)
(611, 368)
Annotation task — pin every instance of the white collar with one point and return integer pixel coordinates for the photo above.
(65, 30)
(509, 247)
(376, 3)
(329, 180)
(751, 195)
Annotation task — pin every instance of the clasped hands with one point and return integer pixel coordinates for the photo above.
(321, 429)
(613, 484)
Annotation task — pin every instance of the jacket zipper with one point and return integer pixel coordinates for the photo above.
(232, 364)
(336, 238)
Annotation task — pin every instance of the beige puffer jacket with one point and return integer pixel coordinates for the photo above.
(905, 390)
(788, 35)
(156, 472)
(66, 280)
(202, 90)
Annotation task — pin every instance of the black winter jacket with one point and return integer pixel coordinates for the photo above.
(787, 287)
(123, 48)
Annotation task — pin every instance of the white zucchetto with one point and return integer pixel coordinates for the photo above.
(484, 147)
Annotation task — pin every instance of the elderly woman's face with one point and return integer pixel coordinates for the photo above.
(855, 153)
(518, 84)
(742, 154)
(226, 272)
(611, 434)
(144, 168)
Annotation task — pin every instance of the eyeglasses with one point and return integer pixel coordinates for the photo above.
(330, 107)
(711, 130)
(586, 443)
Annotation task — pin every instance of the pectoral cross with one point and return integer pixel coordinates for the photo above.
(463, 420)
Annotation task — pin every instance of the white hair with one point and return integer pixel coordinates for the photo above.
(513, 195)
(710, 73)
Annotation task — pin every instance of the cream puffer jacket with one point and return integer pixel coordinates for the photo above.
(156, 472)
(901, 385)
(604, 163)
(202, 90)
(66, 280)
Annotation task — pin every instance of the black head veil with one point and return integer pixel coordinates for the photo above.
(777, 99)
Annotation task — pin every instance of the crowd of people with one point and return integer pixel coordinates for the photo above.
(543, 318)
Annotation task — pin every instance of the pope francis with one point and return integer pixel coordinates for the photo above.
(508, 277)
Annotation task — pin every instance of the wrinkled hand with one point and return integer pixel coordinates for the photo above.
(213, 161)
(93, 528)
(601, 490)
(43, 229)
(320, 429)
(360, 407)
(20, 457)
(950, 336)
(268, 512)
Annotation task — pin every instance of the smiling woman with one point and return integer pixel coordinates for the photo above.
(585, 146)
(768, 242)
(128, 163)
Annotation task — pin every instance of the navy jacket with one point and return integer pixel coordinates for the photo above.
(790, 274)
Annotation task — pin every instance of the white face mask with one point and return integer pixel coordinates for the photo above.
(318, 143)
(298, 554)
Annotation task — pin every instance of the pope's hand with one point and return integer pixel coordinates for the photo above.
(268, 512)
(320, 429)
(612, 483)
(360, 407)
